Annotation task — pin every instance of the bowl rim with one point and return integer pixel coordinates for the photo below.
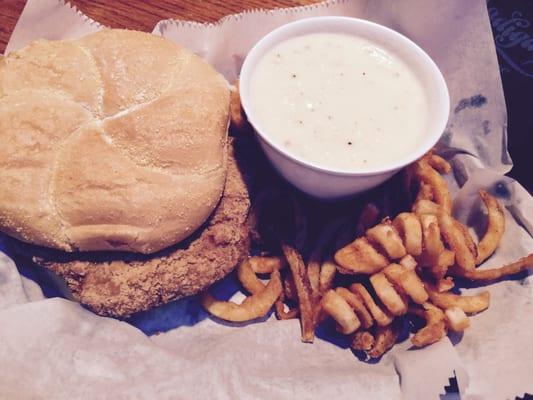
(283, 33)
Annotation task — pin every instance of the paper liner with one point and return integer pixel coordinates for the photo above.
(53, 348)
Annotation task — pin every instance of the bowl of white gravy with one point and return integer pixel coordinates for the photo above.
(339, 105)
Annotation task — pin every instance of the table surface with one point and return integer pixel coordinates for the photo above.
(143, 15)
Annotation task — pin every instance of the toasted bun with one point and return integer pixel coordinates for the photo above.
(121, 284)
(116, 141)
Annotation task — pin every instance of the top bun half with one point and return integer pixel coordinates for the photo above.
(115, 141)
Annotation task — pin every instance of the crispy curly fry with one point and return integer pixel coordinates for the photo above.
(444, 284)
(469, 304)
(338, 308)
(495, 227)
(426, 207)
(408, 281)
(281, 314)
(441, 244)
(357, 305)
(445, 261)
(255, 306)
(360, 257)
(289, 288)
(455, 239)
(317, 255)
(387, 294)
(456, 319)
(388, 239)
(433, 245)
(279, 308)
(237, 117)
(327, 275)
(469, 241)
(408, 226)
(435, 328)
(497, 273)
(383, 318)
(303, 291)
(408, 262)
(363, 341)
(427, 174)
(384, 338)
(425, 192)
(248, 278)
(265, 265)
(440, 164)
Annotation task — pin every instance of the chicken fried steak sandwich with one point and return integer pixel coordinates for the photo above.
(117, 173)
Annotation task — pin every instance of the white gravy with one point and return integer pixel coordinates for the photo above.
(338, 101)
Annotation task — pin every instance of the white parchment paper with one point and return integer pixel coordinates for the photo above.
(53, 348)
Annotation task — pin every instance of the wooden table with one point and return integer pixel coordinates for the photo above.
(143, 15)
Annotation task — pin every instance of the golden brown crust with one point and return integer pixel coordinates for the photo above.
(134, 154)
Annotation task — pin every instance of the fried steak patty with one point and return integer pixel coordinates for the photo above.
(120, 284)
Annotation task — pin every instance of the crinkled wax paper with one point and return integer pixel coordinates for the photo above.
(51, 347)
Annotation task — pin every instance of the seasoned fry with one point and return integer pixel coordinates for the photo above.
(408, 226)
(445, 261)
(248, 278)
(384, 338)
(435, 328)
(265, 265)
(444, 284)
(497, 273)
(388, 296)
(357, 305)
(425, 192)
(425, 173)
(456, 319)
(469, 241)
(439, 163)
(281, 314)
(327, 275)
(495, 227)
(339, 309)
(408, 262)
(469, 304)
(426, 207)
(383, 318)
(362, 340)
(386, 236)
(413, 286)
(289, 288)
(455, 239)
(433, 245)
(360, 257)
(368, 217)
(237, 117)
(408, 281)
(303, 290)
(255, 306)
(393, 272)
(317, 255)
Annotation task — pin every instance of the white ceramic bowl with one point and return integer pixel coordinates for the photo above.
(329, 183)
